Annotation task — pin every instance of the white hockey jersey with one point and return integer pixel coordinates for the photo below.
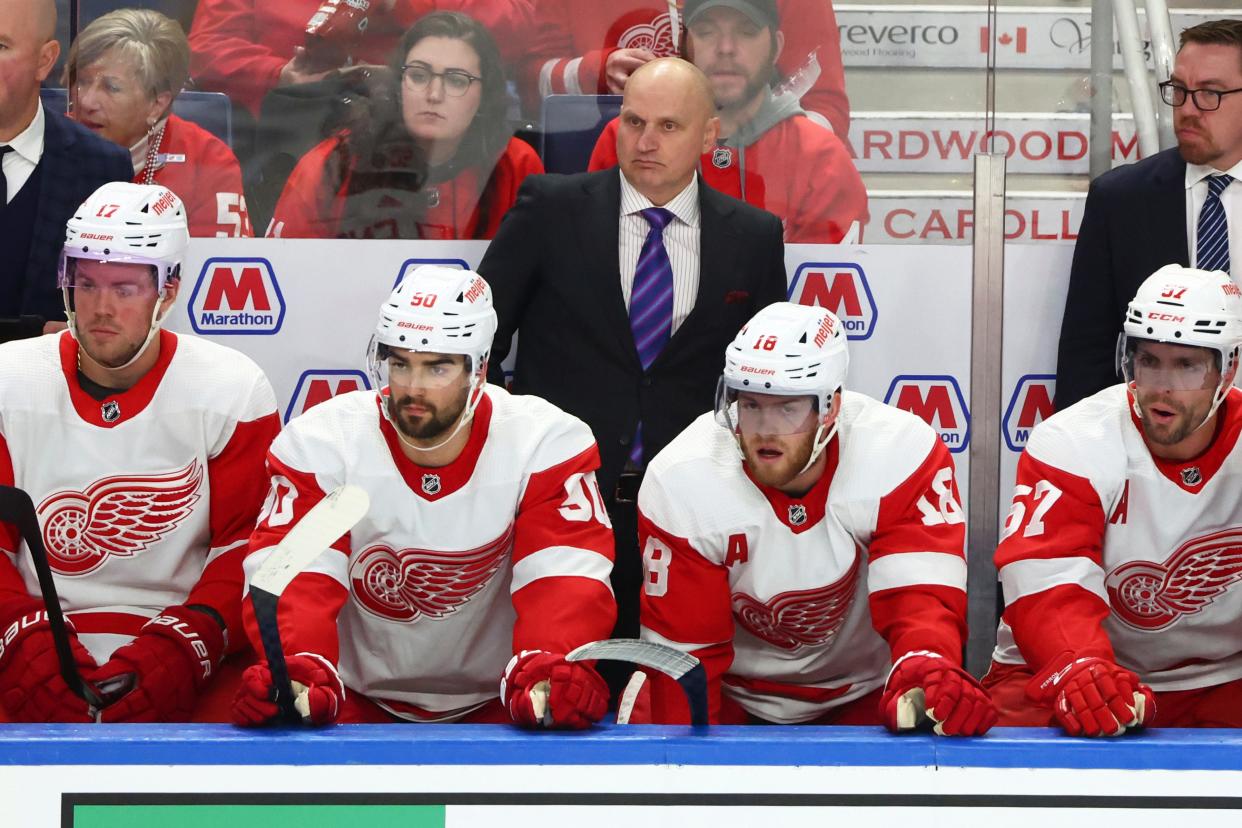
(1110, 551)
(799, 605)
(146, 499)
(454, 568)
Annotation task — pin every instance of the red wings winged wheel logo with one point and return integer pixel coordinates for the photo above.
(122, 515)
(1149, 595)
(799, 618)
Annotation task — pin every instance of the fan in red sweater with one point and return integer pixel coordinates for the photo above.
(123, 72)
(432, 158)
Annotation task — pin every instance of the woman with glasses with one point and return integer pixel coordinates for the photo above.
(432, 156)
(123, 73)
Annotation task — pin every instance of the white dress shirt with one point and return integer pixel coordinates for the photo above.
(681, 241)
(27, 150)
(1230, 199)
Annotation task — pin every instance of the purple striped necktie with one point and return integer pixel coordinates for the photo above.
(1212, 237)
(651, 301)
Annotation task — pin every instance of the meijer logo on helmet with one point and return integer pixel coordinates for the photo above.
(236, 296)
(938, 401)
(1029, 406)
(842, 288)
(320, 385)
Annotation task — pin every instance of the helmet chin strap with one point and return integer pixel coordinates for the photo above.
(821, 442)
(467, 414)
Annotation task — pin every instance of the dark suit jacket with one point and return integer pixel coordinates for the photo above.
(554, 272)
(75, 162)
(1134, 223)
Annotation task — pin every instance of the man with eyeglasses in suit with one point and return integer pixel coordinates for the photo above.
(1180, 206)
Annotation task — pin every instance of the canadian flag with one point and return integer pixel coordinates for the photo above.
(1017, 39)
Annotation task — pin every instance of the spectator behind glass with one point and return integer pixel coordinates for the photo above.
(588, 48)
(246, 48)
(769, 154)
(432, 157)
(123, 73)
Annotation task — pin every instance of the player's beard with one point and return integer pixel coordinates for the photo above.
(1186, 422)
(796, 449)
(755, 86)
(113, 355)
(431, 426)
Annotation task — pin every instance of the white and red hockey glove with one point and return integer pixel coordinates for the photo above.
(335, 30)
(542, 689)
(927, 686)
(31, 687)
(1092, 696)
(318, 688)
(165, 667)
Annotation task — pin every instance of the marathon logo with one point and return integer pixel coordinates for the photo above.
(410, 265)
(839, 287)
(1029, 406)
(938, 401)
(236, 296)
(320, 385)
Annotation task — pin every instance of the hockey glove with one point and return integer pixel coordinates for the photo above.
(924, 685)
(31, 687)
(335, 30)
(541, 689)
(164, 668)
(318, 688)
(1091, 696)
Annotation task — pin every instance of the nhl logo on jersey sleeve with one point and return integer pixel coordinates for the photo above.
(1151, 595)
(236, 296)
(431, 484)
(1029, 406)
(938, 401)
(110, 411)
(840, 287)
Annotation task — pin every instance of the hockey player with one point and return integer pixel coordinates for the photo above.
(1122, 552)
(486, 542)
(806, 543)
(143, 452)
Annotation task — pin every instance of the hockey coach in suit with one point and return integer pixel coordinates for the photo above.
(627, 284)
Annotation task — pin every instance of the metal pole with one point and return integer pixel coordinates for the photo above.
(1136, 74)
(1101, 158)
(1162, 52)
(987, 309)
(75, 19)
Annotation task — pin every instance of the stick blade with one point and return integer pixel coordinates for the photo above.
(318, 529)
(670, 662)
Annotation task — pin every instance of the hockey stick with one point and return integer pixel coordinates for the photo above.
(17, 508)
(318, 529)
(681, 667)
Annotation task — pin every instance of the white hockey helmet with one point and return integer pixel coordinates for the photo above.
(440, 310)
(786, 349)
(1185, 306)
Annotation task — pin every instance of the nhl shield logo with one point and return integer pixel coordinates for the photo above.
(111, 412)
(797, 514)
(1191, 476)
(433, 197)
(431, 484)
(722, 158)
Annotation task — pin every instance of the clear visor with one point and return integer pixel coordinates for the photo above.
(775, 415)
(1160, 366)
(417, 370)
(120, 268)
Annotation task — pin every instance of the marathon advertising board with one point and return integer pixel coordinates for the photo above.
(959, 37)
(946, 142)
(947, 216)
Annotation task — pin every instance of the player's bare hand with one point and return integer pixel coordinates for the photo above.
(621, 64)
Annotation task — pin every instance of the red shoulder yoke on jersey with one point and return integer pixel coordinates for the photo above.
(812, 504)
(1228, 427)
(124, 405)
(448, 478)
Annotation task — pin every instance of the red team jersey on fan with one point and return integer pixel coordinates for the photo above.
(575, 39)
(455, 568)
(799, 605)
(205, 175)
(146, 499)
(1137, 559)
(310, 208)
